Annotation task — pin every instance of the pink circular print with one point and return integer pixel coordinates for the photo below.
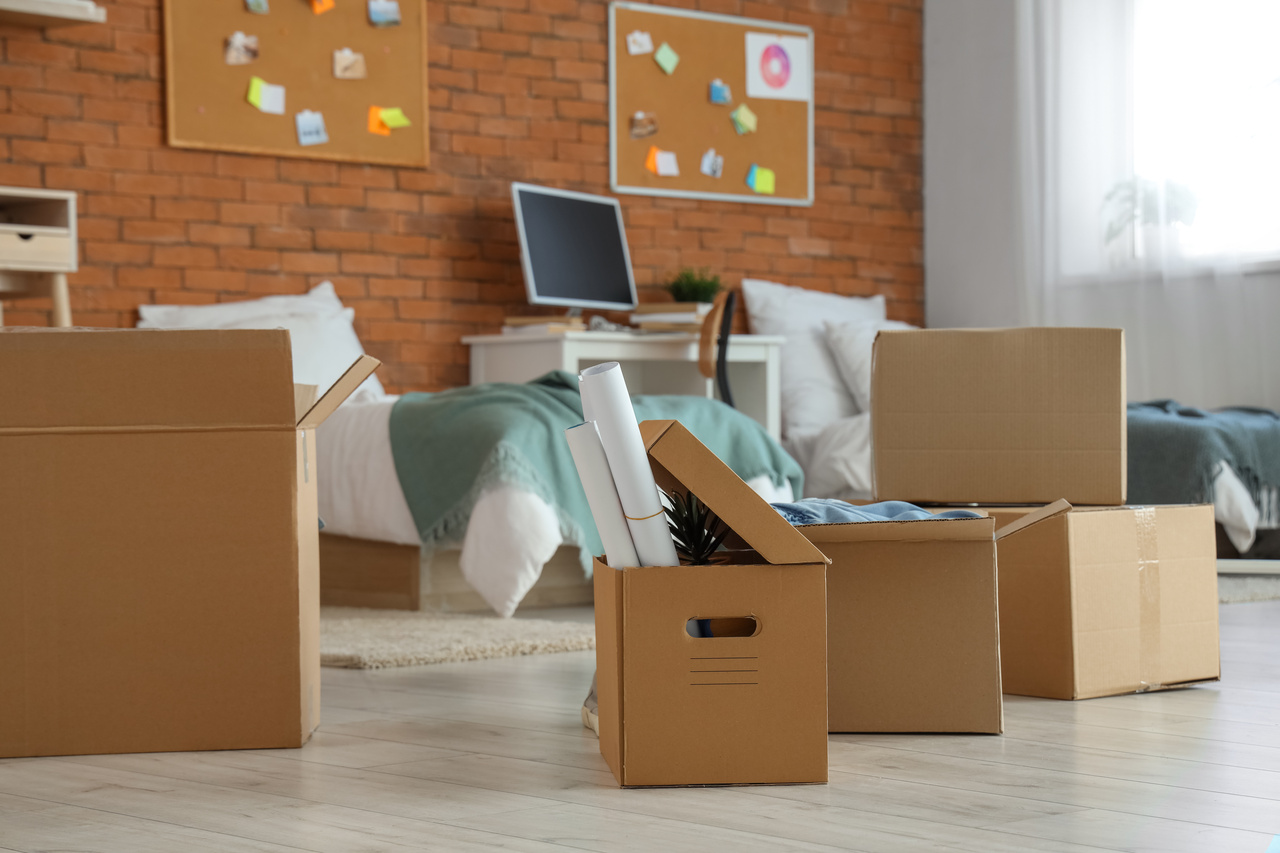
(775, 66)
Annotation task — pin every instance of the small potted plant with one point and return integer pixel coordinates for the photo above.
(692, 285)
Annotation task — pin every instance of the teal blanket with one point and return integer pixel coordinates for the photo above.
(451, 446)
(1174, 451)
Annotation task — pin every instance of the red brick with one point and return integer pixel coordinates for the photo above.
(282, 238)
(234, 213)
(184, 209)
(218, 235)
(314, 262)
(142, 231)
(222, 281)
(185, 256)
(44, 104)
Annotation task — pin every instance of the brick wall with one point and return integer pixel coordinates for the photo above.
(518, 91)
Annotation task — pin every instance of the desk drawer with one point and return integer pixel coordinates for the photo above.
(35, 250)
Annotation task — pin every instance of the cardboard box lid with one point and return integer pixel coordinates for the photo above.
(676, 453)
(1000, 415)
(104, 379)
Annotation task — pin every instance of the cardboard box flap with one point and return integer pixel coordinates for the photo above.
(304, 397)
(1058, 507)
(347, 383)
(677, 455)
(105, 379)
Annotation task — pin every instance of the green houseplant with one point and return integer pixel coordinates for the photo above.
(692, 285)
(697, 531)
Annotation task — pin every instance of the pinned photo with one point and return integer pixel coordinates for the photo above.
(643, 124)
(662, 163)
(240, 49)
(384, 13)
(310, 128)
(712, 164)
(719, 92)
(257, 7)
(639, 42)
(349, 65)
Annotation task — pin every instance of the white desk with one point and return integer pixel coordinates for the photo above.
(653, 364)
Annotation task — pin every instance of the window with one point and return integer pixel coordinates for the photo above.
(1205, 133)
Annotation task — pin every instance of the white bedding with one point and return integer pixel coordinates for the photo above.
(511, 535)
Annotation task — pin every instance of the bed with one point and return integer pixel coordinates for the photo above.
(514, 543)
(491, 513)
(1177, 454)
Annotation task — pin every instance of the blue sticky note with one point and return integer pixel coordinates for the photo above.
(719, 93)
(1275, 845)
(751, 176)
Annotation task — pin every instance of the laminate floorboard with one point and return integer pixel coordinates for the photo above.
(490, 755)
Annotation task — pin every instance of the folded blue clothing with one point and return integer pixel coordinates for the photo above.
(829, 511)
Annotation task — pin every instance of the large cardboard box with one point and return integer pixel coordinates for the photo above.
(746, 706)
(1000, 416)
(1099, 601)
(913, 633)
(158, 540)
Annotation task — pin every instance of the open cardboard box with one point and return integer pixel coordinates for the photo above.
(159, 587)
(1098, 601)
(747, 708)
(913, 632)
(1000, 416)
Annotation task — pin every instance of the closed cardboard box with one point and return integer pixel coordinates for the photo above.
(1099, 601)
(745, 706)
(1000, 416)
(158, 539)
(913, 633)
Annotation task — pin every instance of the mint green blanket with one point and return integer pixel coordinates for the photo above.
(449, 447)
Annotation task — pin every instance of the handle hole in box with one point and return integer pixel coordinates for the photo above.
(724, 626)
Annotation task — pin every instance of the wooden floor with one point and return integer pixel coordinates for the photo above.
(491, 755)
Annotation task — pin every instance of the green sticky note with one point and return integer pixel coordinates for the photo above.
(765, 180)
(255, 91)
(744, 121)
(394, 117)
(666, 58)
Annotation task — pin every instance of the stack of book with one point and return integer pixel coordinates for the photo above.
(542, 325)
(670, 316)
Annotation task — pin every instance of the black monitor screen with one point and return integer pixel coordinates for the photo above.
(575, 250)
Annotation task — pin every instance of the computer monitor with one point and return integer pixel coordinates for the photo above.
(573, 248)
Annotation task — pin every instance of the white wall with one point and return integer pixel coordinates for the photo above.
(1200, 342)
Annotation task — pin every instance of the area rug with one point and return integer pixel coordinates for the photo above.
(1238, 589)
(361, 638)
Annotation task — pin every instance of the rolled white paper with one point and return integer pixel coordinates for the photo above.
(602, 496)
(604, 394)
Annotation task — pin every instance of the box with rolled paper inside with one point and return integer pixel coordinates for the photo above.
(913, 635)
(747, 705)
(1098, 601)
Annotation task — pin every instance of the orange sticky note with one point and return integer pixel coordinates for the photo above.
(376, 124)
(321, 6)
(651, 162)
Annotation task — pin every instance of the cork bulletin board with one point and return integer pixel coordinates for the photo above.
(206, 96)
(709, 47)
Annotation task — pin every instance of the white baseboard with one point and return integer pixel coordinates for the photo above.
(1249, 567)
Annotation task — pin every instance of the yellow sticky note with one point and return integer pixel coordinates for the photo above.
(255, 91)
(651, 162)
(394, 117)
(319, 7)
(765, 181)
(376, 124)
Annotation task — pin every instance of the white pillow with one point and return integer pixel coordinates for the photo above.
(813, 394)
(319, 300)
(323, 345)
(323, 340)
(851, 344)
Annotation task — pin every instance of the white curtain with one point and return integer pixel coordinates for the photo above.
(1149, 159)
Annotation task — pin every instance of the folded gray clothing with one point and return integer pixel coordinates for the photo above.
(830, 511)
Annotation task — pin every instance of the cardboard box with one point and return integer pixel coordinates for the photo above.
(158, 541)
(913, 633)
(1105, 600)
(749, 708)
(1000, 416)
